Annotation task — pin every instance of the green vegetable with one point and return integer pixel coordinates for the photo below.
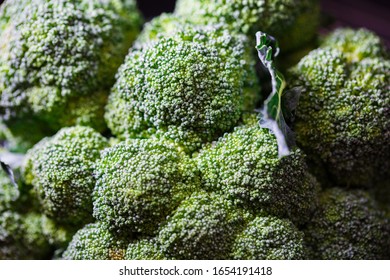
(58, 60)
(342, 118)
(61, 170)
(293, 22)
(139, 183)
(95, 242)
(348, 225)
(269, 238)
(189, 87)
(202, 227)
(244, 165)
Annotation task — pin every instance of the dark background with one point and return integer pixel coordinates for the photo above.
(372, 14)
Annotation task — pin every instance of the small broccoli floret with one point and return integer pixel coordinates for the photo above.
(342, 118)
(58, 60)
(61, 170)
(139, 182)
(202, 227)
(21, 237)
(292, 22)
(244, 165)
(269, 238)
(190, 84)
(8, 192)
(144, 249)
(348, 225)
(95, 242)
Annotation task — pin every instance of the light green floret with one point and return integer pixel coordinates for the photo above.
(244, 166)
(292, 22)
(269, 238)
(193, 85)
(342, 118)
(144, 249)
(58, 60)
(139, 183)
(167, 25)
(203, 227)
(21, 237)
(348, 225)
(61, 170)
(95, 242)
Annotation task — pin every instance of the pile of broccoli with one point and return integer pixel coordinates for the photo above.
(149, 144)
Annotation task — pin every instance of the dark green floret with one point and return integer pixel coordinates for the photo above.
(343, 116)
(202, 227)
(348, 225)
(269, 238)
(58, 60)
(61, 169)
(139, 183)
(292, 22)
(192, 86)
(21, 237)
(95, 242)
(244, 165)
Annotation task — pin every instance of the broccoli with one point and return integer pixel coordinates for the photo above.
(24, 232)
(293, 22)
(95, 242)
(189, 87)
(348, 225)
(269, 238)
(58, 60)
(61, 168)
(244, 165)
(21, 236)
(144, 249)
(139, 182)
(202, 227)
(342, 118)
(8, 193)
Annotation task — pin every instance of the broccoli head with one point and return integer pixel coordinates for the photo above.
(144, 249)
(202, 227)
(139, 182)
(58, 60)
(190, 86)
(348, 225)
(95, 242)
(244, 165)
(21, 236)
(343, 117)
(269, 238)
(61, 168)
(292, 22)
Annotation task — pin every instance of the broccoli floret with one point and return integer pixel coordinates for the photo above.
(144, 249)
(191, 85)
(348, 225)
(95, 242)
(21, 236)
(343, 118)
(58, 60)
(61, 168)
(202, 227)
(269, 238)
(292, 22)
(244, 165)
(8, 192)
(139, 182)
